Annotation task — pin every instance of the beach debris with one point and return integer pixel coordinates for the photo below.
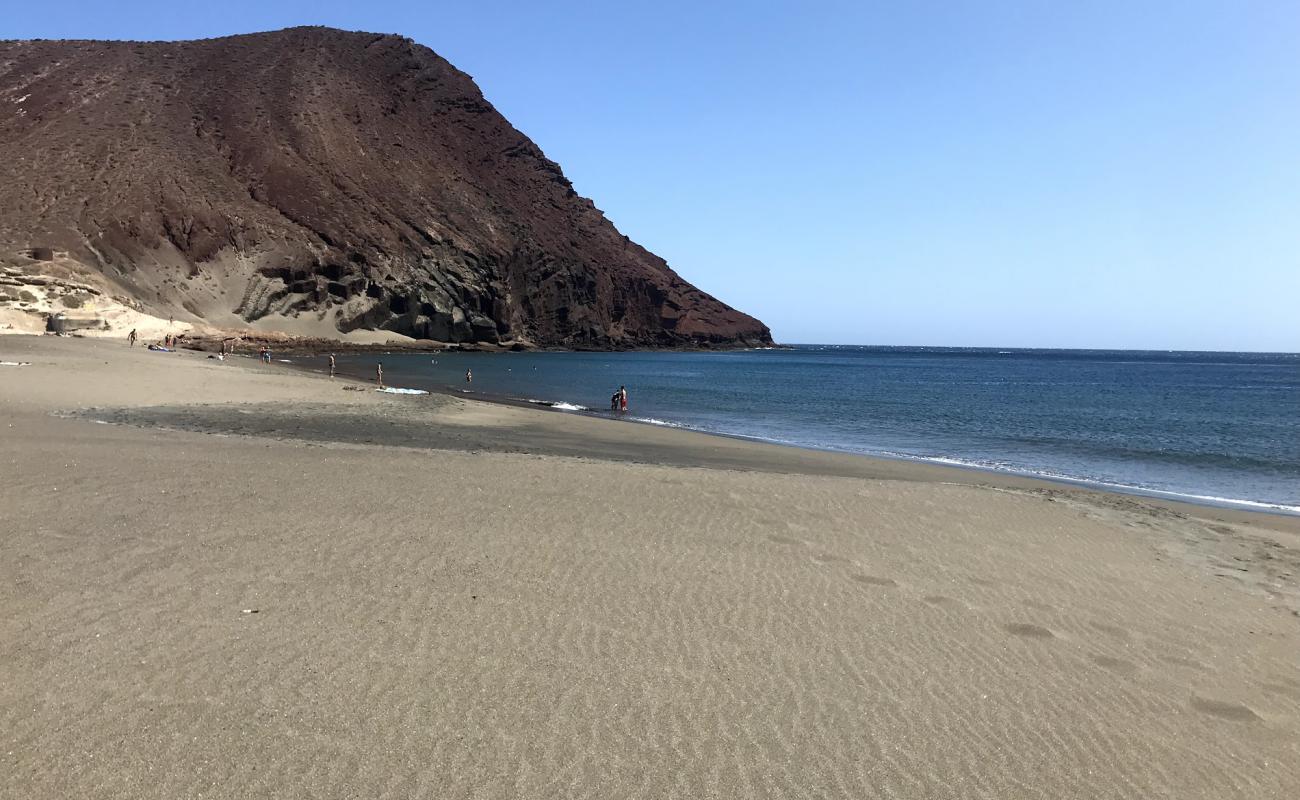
(250, 611)
(15, 363)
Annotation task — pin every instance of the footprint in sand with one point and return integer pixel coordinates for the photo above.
(1029, 631)
(873, 580)
(783, 539)
(1113, 630)
(940, 600)
(827, 558)
(1282, 685)
(1115, 664)
(1184, 662)
(1224, 710)
(1277, 688)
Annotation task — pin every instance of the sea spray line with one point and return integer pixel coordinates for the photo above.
(1127, 488)
(558, 405)
(664, 422)
(1007, 469)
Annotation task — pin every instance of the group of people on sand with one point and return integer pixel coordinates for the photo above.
(169, 340)
(227, 348)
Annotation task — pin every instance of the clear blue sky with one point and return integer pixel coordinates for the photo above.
(1055, 174)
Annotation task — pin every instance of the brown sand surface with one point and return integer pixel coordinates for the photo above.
(259, 584)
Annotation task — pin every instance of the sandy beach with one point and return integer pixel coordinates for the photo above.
(231, 580)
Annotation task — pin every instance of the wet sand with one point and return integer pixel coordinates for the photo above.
(257, 583)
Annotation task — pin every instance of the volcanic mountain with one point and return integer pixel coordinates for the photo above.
(322, 182)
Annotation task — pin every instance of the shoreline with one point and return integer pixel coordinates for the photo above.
(677, 446)
(1181, 502)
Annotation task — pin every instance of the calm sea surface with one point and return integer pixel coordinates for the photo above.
(1216, 427)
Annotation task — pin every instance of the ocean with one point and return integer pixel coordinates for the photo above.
(1220, 428)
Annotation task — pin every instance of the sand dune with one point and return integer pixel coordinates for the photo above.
(334, 606)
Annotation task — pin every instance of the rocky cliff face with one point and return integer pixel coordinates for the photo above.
(322, 182)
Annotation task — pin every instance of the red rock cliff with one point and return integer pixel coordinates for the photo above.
(319, 180)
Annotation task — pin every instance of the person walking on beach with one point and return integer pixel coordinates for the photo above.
(131, 337)
(469, 376)
(332, 365)
(622, 399)
(379, 374)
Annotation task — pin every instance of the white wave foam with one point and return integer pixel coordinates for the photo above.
(559, 405)
(395, 390)
(1094, 482)
(653, 421)
(1202, 498)
(993, 466)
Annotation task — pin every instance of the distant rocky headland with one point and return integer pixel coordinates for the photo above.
(316, 183)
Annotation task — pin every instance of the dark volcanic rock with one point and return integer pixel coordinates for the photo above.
(317, 181)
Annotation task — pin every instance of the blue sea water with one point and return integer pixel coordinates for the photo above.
(1215, 427)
